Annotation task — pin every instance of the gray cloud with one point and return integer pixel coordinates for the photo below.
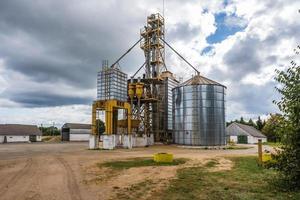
(243, 58)
(58, 39)
(61, 42)
(183, 31)
(256, 98)
(251, 55)
(44, 99)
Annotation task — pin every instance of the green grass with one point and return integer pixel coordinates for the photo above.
(273, 144)
(138, 162)
(245, 181)
(134, 191)
(211, 163)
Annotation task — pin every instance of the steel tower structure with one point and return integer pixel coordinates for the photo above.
(154, 50)
(149, 96)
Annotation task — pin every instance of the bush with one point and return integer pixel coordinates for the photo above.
(288, 158)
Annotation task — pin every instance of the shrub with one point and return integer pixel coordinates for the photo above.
(288, 158)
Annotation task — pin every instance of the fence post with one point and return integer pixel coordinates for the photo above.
(259, 151)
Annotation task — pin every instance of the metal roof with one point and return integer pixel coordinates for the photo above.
(19, 129)
(200, 80)
(249, 130)
(77, 126)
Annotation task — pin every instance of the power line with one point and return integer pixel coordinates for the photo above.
(126, 52)
(180, 56)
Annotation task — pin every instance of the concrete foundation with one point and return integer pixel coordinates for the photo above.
(93, 142)
(127, 141)
(109, 141)
(124, 141)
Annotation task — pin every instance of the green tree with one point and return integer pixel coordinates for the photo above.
(251, 123)
(228, 123)
(100, 126)
(242, 121)
(259, 124)
(288, 160)
(264, 123)
(272, 127)
(51, 130)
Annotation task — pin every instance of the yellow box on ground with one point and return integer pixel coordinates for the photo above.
(163, 157)
(266, 157)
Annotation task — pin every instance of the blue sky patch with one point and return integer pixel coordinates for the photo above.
(206, 50)
(226, 26)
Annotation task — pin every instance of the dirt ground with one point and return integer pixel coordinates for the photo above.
(70, 171)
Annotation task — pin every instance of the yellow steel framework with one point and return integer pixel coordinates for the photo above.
(145, 109)
(111, 115)
(148, 107)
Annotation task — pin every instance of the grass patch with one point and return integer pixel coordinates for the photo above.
(245, 181)
(139, 162)
(211, 163)
(134, 191)
(273, 144)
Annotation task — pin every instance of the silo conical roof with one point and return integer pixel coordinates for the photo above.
(200, 80)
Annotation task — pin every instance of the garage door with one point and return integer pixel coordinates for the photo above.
(32, 138)
(65, 135)
(242, 139)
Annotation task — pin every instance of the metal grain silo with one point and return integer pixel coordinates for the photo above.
(199, 112)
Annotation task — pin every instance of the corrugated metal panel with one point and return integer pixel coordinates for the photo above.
(199, 114)
(80, 131)
(111, 84)
(79, 137)
(171, 83)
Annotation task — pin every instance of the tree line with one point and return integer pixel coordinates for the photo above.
(50, 130)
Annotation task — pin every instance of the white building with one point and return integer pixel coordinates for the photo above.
(75, 132)
(19, 133)
(244, 134)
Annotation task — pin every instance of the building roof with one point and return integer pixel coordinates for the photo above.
(245, 130)
(77, 126)
(200, 80)
(19, 129)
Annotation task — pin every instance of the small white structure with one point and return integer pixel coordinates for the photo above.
(19, 133)
(244, 134)
(122, 141)
(75, 132)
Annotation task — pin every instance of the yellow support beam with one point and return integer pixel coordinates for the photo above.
(108, 106)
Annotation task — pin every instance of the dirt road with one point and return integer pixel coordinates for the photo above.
(69, 170)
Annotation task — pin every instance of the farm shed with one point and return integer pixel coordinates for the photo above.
(244, 134)
(75, 132)
(19, 133)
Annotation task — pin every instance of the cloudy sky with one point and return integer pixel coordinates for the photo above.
(51, 50)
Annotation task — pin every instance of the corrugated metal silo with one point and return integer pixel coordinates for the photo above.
(199, 112)
(111, 84)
